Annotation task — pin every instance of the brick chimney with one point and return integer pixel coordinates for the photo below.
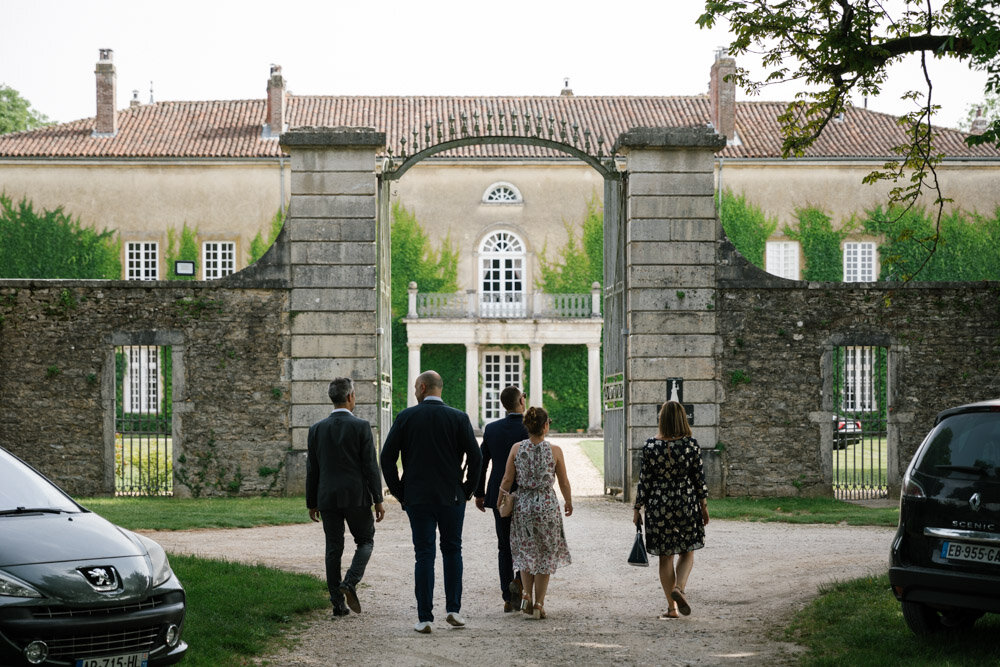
(275, 124)
(106, 124)
(722, 95)
(979, 123)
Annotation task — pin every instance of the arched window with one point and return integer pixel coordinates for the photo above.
(502, 193)
(501, 276)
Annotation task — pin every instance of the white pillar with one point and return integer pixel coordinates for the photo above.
(411, 290)
(472, 383)
(412, 371)
(594, 386)
(535, 386)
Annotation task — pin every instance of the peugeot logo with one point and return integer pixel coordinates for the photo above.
(975, 502)
(103, 578)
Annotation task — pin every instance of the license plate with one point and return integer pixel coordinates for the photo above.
(127, 660)
(971, 552)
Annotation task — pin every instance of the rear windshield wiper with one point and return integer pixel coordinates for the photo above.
(974, 470)
(32, 510)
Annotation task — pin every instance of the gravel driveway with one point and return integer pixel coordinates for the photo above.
(749, 579)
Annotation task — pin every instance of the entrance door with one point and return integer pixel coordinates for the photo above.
(143, 421)
(859, 423)
(614, 339)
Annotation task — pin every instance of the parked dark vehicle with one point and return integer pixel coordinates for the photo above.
(945, 559)
(75, 589)
(846, 431)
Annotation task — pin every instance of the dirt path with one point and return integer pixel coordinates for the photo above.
(749, 578)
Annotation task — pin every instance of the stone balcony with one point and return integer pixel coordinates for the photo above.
(472, 305)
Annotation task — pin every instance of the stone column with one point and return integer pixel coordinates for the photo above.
(535, 384)
(472, 383)
(670, 254)
(412, 371)
(331, 230)
(594, 387)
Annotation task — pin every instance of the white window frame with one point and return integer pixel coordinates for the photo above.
(502, 193)
(142, 260)
(781, 258)
(218, 259)
(859, 262)
(502, 260)
(142, 385)
(500, 369)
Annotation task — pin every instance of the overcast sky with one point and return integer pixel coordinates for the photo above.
(223, 49)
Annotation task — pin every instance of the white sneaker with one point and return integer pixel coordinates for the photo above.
(454, 618)
(423, 627)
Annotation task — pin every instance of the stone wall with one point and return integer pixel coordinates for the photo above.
(775, 342)
(231, 380)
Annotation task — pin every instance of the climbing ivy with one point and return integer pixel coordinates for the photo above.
(259, 245)
(52, 244)
(821, 244)
(746, 225)
(183, 246)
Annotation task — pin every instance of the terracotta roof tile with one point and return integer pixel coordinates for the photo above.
(233, 128)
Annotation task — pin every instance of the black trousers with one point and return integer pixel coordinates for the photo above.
(505, 561)
(361, 522)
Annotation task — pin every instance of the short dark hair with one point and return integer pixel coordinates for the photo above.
(509, 398)
(340, 389)
(535, 420)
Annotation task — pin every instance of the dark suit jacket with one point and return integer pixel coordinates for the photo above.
(498, 438)
(432, 439)
(341, 470)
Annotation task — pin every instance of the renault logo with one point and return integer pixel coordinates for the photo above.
(103, 577)
(975, 502)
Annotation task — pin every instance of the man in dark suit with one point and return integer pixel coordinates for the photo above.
(342, 482)
(433, 439)
(498, 438)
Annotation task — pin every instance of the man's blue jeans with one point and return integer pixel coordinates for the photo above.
(425, 521)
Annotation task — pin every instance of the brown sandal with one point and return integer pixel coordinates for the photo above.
(538, 611)
(677, 595)
(670, 613)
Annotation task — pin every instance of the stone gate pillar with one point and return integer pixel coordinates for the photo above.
(331, 233)
(670, 254)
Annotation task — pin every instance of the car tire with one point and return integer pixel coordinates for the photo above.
(921, 619)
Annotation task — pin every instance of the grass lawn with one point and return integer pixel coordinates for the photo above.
(168, 513)
(594, 449)
(861, 466)
(859, 622)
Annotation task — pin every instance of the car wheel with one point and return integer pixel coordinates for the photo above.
(920, 618)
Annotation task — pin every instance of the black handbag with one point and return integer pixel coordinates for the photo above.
(638, 556)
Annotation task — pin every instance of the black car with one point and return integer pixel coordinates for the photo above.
(945, 560)
(76, 590)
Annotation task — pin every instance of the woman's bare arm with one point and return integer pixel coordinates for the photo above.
(563, 478)
(509, 471)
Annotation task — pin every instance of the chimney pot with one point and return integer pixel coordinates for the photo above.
(106, 124)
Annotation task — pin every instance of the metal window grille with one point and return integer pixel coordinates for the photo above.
(860, 424)
(143, 429)
(859, 262)
(142, 260)
(782, 259)
(218, 259)
(500, 370)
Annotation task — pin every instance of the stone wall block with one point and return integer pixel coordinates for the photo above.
(665, 207)
(354, 322)
(671, 253)
(659, 345)
(333, 253)
(671, 275)
(360, 160)
(332, 183)
(337, 276)
(337, 229)
(660, 368)
(333, 346)
(640, 161)
(642, 183)
(333, 299)
(672, 322)
(671, 300)
(323, 206)
(655, 391)
(315, 391)
(358, 369)
(673, 229)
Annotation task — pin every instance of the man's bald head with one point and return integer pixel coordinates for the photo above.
(428, 383)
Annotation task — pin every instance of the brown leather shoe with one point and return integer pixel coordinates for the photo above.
(508, 607)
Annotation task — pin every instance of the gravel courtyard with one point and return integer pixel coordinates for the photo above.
(749, 579)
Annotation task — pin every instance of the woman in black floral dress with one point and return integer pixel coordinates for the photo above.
(673, 491)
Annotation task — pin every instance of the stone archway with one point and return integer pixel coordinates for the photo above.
(661, 236)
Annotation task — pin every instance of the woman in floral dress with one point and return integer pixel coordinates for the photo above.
(537, 539)
(672, 489)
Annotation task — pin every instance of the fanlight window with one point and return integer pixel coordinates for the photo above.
(502, 193)
(501, 276)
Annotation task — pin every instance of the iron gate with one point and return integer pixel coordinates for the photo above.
(860, 425)
(143, 421)
(383, 308)
(615, 445)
